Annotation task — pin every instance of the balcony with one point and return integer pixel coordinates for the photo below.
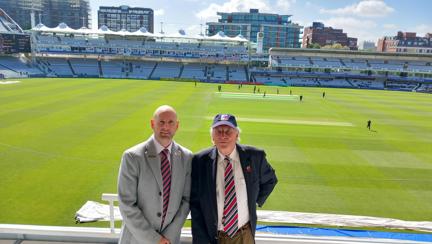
(36, 234)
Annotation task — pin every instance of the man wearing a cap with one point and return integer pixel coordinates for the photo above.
(228, 181)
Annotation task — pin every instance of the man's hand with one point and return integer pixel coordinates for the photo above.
(164, 240)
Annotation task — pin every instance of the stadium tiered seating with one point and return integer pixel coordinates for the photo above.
(237, 73)
(293, 61)
(271, 81)
(17, 67)
(400, 86)
(7, 73)
(122, 43)
(166, 70)
(58, 66)
(420, 67)
(356, 64)
(194, 71)
(113, 69)
(85, 67)
(321, 63)
(123, 46)
(342, 83)
(140, 70)
(425, 87)
(73, 41)
(302, 81)
(385, 65)
(217, 72)
(48, 39)
(367, 84)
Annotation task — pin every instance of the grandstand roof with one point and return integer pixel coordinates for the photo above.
(349, 54)
(8, 25)
(104, 30)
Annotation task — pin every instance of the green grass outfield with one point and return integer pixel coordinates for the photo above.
(61, 141)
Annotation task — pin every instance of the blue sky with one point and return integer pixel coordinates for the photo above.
(364, 19)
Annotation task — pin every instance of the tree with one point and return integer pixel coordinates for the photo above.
(335, 46)
(314, 46)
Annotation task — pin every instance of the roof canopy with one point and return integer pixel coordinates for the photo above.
(104, 30)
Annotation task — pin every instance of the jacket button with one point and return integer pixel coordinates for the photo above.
(159, 214)
(160, 193)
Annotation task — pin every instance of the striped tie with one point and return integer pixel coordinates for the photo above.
(166, 180)
(230, 214)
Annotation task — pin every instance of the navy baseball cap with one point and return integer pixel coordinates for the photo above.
(224, 119)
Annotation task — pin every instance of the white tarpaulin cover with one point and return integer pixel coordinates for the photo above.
(93, 211)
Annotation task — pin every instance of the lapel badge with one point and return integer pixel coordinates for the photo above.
(248, 169)
(149, 155)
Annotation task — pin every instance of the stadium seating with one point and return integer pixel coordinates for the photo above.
(166, 70)
(272, 81)
(237, 73)
(400, 86)
(342, 83)
(217, 72)
(367, 84)
(194, 71)
(58, 67)
(386, 65)
(356, 64)
(85, 67)
(12, 67)
(140, 70)
(113, 69)
(123, 57)
(420, 67)
(152, 48)
(425, 87)
(321, 63)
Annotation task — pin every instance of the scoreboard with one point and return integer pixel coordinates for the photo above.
(14, 43)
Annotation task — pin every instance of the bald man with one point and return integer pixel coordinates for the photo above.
(154, 185)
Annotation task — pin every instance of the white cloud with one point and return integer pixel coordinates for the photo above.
(284, 5)
(390, 26)
(210, 13)
(195, 29)
(350, 23)
(423, 29)
(313, 6)
(159, 12)
(365, 8)
(358, 28)
(302, 22)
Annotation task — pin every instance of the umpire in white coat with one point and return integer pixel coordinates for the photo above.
(154, 185)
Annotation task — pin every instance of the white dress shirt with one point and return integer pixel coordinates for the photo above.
(240, 187)
(160, 148)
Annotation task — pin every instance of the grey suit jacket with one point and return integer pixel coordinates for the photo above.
(140, 194)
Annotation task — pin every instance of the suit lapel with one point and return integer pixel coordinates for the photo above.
(245, 164)
(153, 160)
(211, 174)
(176, 173)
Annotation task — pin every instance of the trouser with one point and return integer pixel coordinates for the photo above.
(243, 236)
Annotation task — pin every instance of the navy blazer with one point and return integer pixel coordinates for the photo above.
(260, 180)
